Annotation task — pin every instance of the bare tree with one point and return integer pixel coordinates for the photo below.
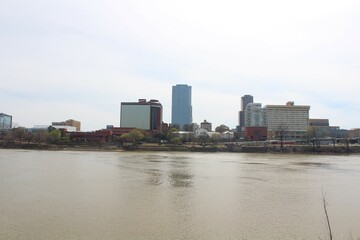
(281, 133)
(313, 136)
(19, 133)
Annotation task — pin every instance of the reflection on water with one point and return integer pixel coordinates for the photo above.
(155, 177)
(132, 195)
(179, 179)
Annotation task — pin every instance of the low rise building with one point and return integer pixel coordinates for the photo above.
(316, 122)
(70, 124)
(256, 133)
(206, 125)
(354, 133)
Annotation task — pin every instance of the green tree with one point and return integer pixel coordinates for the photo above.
(159, 137)
(222, 128)
(175, 140)
(134, 136)
(171, 133)
(215, 138)
(176, 126)
(203, 139)
(55, 135)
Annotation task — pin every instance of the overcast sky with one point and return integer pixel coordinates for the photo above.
(80, 58)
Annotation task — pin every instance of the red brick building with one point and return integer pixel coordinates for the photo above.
(256, 133)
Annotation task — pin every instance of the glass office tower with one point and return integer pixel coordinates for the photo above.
(181, 111)
(5, 121)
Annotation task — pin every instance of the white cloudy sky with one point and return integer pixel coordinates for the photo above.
(79, 59)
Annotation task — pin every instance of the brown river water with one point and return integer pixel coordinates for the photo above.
(176, 195)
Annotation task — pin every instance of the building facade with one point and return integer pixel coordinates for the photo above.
(315, 122)
(146, 115)
(181, 110)
(255, 115)
(206, 125)
(256, 133)
(76, 125)
(5, 121)
(245, 100)
(290, 119)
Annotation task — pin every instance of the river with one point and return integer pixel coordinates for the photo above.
(176, 195)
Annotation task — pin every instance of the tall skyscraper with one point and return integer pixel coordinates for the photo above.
(181, 111)
(245, 100)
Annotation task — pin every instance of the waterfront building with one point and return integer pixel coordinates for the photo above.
(206, 125)
(145, 115)
(245, 100)
(201, 132)
(256, 133)
(5, 121)
(322, 129)
(76, 125)
(255, 115)
(45, 128)
(290, 118)
(354, 133)
(181, 110)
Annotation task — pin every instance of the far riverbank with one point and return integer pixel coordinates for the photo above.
(289, 149)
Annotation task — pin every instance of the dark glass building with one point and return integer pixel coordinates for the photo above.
(245, 100)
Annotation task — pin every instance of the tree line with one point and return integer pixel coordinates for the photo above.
(23, 136)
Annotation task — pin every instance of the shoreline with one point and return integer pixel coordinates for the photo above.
(148, 147)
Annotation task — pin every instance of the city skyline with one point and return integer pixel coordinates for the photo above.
(81, 59)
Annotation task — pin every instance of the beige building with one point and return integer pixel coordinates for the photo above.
(74, 123)
(70, 123)
(290, 118)
(354, 133)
